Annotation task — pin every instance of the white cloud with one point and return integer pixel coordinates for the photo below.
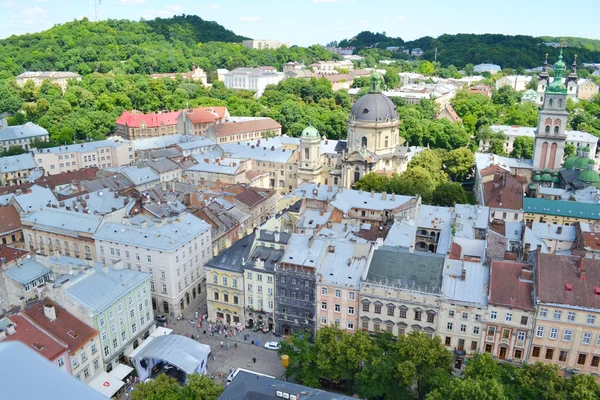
(209, 7)
(41, 1)
(28, 21)
(328, 1)
(153, 13)
(32, 12)
(398, 18)
(133, 1)
(251, 19)
(174, 8)
(364, 21)
(12, 4)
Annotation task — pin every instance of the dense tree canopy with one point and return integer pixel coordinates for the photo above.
(197, 387)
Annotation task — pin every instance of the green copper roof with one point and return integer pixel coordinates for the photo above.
(589, 176)
(310, 132)
(547, 170)
(537, 178)
(561, 208)
(546, 177)
(557, 86)
(555, 179)
(582, 163)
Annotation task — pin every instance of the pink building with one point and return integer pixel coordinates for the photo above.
(338, 283)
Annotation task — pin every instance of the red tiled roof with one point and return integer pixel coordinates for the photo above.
(133, 119)
(455, 251)
(252, 173)
(252, 196)
(205, 115)
(554, 272)
(491, 170)
(35, 338)
(450, 110)
(234, 128)
(65, 327)
(85, 174)
(9, 253)
(9, 220)
(505, 191)
(506, 289)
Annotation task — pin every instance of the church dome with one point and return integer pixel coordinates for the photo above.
(589, 176)
(570, 161)
(310, 132)
(373, 107)
(546, 177)
(582, 163)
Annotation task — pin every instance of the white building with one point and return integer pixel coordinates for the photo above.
(263, 44)
(517, 82)
(114, 152)
(491, 68)
(252, 79)
(38, 77)
(22, 135)
(173, 251)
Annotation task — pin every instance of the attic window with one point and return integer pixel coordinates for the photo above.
(72, 334)
(38, 346)
(366, 111)
(568, 287)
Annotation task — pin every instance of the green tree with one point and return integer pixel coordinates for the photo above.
(522, 147)
(302, 358)
(197, 387)
(497, 147)
(468, 389)
(449, 194)
(373, 182)
(200, 387)
(569, 150)
(426, 68)
(458, 163)
(12, 151)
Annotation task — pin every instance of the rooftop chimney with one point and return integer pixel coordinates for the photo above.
(384, 196)
(372, 193)
(10, 329)
(276, 236)
(582, 274)
(331, 248)
(526, 274)
(2, 335)
(463, 275)
(50, 312)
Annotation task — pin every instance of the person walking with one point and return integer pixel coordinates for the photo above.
(235, 345)
(228, 346)
(221, 344)
(254, 360)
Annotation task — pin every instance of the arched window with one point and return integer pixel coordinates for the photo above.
(550, 102)
(560, 103)
(306, 153)
(386, 141)
(356, 176)
(556, 128)
(363, 141)
(547, 130)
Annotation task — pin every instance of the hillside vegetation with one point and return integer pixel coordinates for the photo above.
(160, 45)
(462, 49)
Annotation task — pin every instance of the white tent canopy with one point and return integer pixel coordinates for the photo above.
(180, 351)
(121, 371)
(106, 384)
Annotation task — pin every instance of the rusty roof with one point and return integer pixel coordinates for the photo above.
(555, 272)
(9, 220)
(233, 128)
(506, 287)
(204, 115)
(65, 327)
(35, 338)
(252, 196)
(9, 253)
(505, 191)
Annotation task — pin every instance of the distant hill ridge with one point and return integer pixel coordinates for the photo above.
(505, 50)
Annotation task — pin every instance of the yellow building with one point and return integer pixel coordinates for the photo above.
(225, 283)
(559, 212)
(567, 330)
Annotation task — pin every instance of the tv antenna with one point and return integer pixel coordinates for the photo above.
(97, 9)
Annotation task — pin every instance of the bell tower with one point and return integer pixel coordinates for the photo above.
(550, 136)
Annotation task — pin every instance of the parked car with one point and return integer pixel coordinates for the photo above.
(160, 318)
(272, 345)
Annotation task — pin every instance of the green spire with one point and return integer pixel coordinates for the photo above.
(557, 86)
(375, 82)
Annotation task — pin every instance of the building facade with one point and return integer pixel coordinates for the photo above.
(22, 135)
(60, 78)
(262, 44)
(173, 251)
(132, 125)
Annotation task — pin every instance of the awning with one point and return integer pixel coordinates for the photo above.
(135, 351)
(161, 331)
(121, 371)
(106, 384)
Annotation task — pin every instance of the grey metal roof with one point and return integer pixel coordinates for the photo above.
(33, 377)
(29, 130)
(165, 236)
(413, 271)
(138, 176)
(17, 163)
(264, 258)
(36, 199)
(29, 271)
(100, 290)
(115, 182)
(53, 219)
(162, 165)
(373, 107)
(232, 258)
(84, 147)
(248, 386)
(183, 352)
(305, 250)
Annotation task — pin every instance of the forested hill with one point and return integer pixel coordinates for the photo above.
(462, 49)
(160, 45)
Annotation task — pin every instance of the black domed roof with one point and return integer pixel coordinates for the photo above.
(373, 106)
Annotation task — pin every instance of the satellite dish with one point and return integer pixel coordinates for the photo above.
(91, 315)
(70, 272)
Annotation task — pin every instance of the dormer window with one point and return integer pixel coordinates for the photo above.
(366, 111)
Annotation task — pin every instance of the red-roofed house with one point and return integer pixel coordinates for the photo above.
(83, 341)
(133, 125)
(260, 204)
(21, 329)
(508, 321)
(10, 226)
(449, 113)
(195, 121)
(566, 331)
(240, 131)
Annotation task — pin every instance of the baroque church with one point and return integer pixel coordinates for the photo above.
(373, 144)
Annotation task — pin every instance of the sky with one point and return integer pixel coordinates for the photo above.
(306, 22)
